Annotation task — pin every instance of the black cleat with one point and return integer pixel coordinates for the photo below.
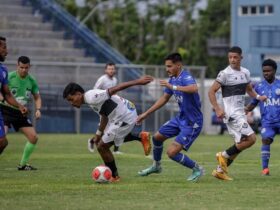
(26, 168)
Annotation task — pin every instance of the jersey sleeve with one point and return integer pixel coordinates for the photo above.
(96, 96)
(167, 90)
(188, 80)
(221, 78)
(254, 101)
(247, 74)
(35, 88)
(5, 76)
(98, 84)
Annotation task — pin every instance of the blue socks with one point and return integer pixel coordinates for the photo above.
(157, 149)
(184, 160)
(265, 152)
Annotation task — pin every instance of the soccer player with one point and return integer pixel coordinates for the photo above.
(234, 81)
(186, 126)
(118, 117)
(270, 109)
(22, 86)
(105, 82)
(5, 93)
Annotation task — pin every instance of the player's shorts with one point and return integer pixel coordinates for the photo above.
(238, 128)
(13, 117)
(116, 132)
(186, 133)
(2, 129)
(269, 132)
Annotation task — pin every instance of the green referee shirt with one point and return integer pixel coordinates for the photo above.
(22, 88)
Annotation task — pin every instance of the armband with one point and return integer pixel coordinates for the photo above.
(174, 87)
(98, 132)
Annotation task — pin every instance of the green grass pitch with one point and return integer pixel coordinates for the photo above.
(63, 179)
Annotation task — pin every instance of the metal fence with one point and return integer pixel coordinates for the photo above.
(59, 117)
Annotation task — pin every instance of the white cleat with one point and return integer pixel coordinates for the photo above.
(90, 145)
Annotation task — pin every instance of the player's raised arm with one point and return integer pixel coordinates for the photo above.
(141, 81)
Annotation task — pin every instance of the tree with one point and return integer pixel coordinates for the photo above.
(213, 22)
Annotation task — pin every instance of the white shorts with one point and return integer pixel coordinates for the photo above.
(239, 128)
(116, 131)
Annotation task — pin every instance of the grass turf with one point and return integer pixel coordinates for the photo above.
(63, 179)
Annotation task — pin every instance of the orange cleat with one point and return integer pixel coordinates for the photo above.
(221, 175)
(145, 140)
(222, 161)
(265, 172)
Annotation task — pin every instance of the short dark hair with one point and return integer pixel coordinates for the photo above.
(109, 64)
(235, 49)
(270, 62)
(174, 57)
(71, 89)
(2, 39)
(24, 60)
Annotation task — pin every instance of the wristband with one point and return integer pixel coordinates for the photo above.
(257, 97)
(174, 87)
(98, 132)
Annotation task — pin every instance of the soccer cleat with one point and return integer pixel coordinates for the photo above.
(151, 170)
(26, 168)
(196, 174)
(222, 161)
(145, 140)
(265, 172)
(221, 175)
(115, 179)
(117, 152)
(90, 145)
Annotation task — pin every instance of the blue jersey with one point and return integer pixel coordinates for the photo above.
(270, 109)
(3, 81)
(189, 103)
(3, 75)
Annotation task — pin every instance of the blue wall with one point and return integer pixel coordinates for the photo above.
(257, 34)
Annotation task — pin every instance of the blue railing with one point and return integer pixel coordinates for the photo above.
(84, 38)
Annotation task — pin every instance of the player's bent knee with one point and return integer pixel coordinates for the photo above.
(266, 141)
(33, 139)
(171, 153)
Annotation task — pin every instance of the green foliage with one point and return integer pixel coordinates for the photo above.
(213, 22)
(147, 39)
(63, 180)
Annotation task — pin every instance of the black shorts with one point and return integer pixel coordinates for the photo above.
(13, 117)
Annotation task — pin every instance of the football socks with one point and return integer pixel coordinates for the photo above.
(28, 149)
(184, 160)
(265, 152)
(157, 149)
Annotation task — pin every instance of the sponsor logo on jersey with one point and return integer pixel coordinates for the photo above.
(272, 102)
(277, 91)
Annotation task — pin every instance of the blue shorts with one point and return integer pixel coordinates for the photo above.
(269, 132)
(184, 132)
(2, 128)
